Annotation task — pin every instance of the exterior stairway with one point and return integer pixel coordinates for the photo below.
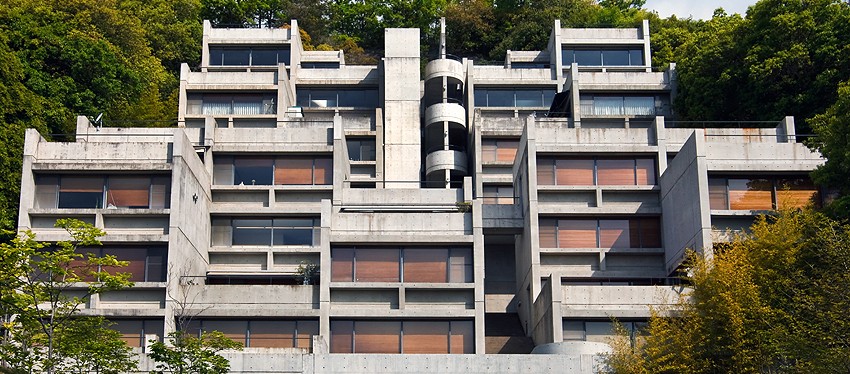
(504, 334)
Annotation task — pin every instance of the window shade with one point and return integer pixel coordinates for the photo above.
(750, 194)
(615, 172)
(294, 171)
(377, 265)
(574, 172)
(377, 337)
(577, 233)
(342, 265)
(426, 337)
(425, 265)
(128, 192)
(342, 337)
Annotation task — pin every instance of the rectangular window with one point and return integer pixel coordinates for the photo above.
(760, 193)
(410, 265)
(408, 337)
(262, 333)
(72, 192)
(498, 150)
(265, 171)
(341, 97)
(644, 232)
(514, 97)
(606, 105)
(267, 232)
(617, 56)
(361, 149)
(503, 195)
(137, 332)
(377, 265)
(81, 192)
(231, 103)
(249, 56)
(599, 171)
(145, 264)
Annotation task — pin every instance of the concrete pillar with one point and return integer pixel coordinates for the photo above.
(402, 134)
(575, 96)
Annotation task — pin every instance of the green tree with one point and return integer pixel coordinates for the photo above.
(783, 58)
(43, 288)
(773, 300)
(833, 141)
(188, 354)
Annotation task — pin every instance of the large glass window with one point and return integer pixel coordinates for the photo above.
(261, 333)
(644, 232)
(502, 150)
(249, 56)
(145, 264)
(413, 264)
(596, 105)
(595, 171)
(623, 56)
(137, 332)
(231, 103)
(760, 193)
(265, 231)
(514, 97)
(503, 195)
(340, 97)
(600, 331)
(408, 336)
(361, 149)
(270, 170)
(74, 192)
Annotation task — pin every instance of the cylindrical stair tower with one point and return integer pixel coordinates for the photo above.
(445, 131)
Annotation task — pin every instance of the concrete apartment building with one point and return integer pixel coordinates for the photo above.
(459, 219)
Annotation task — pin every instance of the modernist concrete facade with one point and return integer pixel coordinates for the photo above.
(459, 220)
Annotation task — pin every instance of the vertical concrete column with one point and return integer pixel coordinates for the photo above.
(182, 98)
(786, 133)
(205, 50)
(340, 162)
(644, 30)
(555, 57)
(324, 271)
(661, 142)
(402, 134)
(575, 95)
(27, 198)
(673, 81)
(557, 311)
(478, 265)
(379, 147)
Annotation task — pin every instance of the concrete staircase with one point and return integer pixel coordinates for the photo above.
(504, 334)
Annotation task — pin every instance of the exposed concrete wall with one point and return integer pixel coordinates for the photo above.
(618, 301)
(402, 139)
(189, 231)
(548, 323)
(282, 360)
(528, 243)
(686, 218)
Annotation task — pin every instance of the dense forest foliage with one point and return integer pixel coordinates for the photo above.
(59, 59)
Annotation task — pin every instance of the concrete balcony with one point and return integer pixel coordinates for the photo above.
(450, 112)
(445, 68)
(237, 80)
(617, 301)
(257, 300)
(446, 160)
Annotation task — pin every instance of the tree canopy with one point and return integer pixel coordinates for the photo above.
(774, 300)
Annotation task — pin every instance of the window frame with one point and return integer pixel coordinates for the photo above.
(466, 268)
(543, 222)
